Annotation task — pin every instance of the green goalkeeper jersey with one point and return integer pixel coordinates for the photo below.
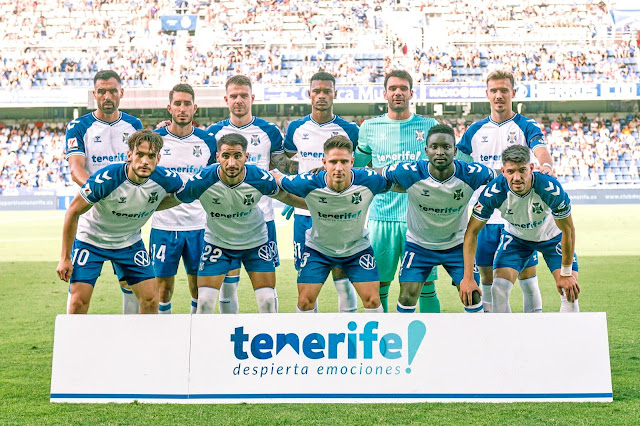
(390, 142)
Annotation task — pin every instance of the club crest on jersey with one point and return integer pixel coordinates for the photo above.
(125, 138)
(97, 139)
(420, 135)
(215, 200)
(166, 151)
(197, 151)
(356, 198)
(367, 262)
(458, 194)
(477, 208)
(323, 200)
(255, 140)
(153, 197)
(248, 200)
(122, 200)
(425, 192)
(537, 208)
(73, 143)
(511, 137)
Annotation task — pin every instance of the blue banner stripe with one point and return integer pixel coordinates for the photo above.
(335, 396)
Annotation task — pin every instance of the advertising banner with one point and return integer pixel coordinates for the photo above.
(331, 358)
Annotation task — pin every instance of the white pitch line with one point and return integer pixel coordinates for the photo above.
(2, 222)
(19, 240)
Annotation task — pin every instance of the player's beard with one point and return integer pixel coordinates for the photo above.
(113, 107)
(183, 122)
(398, 108)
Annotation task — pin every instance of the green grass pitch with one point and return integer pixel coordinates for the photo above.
(608, 246)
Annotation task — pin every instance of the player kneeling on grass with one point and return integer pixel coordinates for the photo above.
(538, 215)
(105, 218)
(338, 199)
(438, 191)
(236, 231)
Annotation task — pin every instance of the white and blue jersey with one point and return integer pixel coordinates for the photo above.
(185, 156)
(263, 139)
(233, 219)
(101, 143)
(437, 210)
(529, 216)
(339, 218)
(306, 137)
(120, 206)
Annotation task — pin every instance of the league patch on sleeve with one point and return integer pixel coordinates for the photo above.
(73, 143)
(477, 209)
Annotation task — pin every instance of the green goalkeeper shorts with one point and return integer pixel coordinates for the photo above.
(387, 240)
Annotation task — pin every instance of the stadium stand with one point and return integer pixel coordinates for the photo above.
(587, 151)
(62, 43)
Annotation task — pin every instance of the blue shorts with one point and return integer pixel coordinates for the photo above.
(132, 262)
(488, 242)
(418, 262)
(300, 225)
(514, 253)
(167, 247)
(218, 261)
(359, 268)
(273, 245)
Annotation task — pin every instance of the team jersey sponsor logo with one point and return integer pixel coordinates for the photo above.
(153, 197)
(97, 139)
(420, 135)
(73, 143)
(356, 198)
(367, 262)
(265, 253)
(537, 208)
(458, 194)
(197, 151)
(122, 200)
(125, 138)
(141, 258)
(248, 200)
(255, 140)
(511, 137)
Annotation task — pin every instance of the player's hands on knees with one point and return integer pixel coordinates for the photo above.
(64, 270)
(467, 287)
(570, 287)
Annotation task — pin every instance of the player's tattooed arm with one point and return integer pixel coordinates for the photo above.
(76, 167)
(468, 285)
(284, 163)
(168, 201)
(78, 207)
(290, 199)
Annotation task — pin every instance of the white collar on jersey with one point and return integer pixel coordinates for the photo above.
(325, 123)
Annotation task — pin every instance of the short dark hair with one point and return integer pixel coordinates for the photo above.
(516, 154)
(238, 80)
(154, 139)
(441, 129)
(182, 88)
(232, 139)
(400, 74)
(323, 76)
(106, 75)
(338, 141)
(501, 75)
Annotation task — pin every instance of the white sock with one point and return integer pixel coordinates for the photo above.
(566, 306)
(531, 298)
(194, 305)
(474, 309)
(487, 299)
(405, 309)
(379, 309)
(347, 296)
(500, 291)
(207, 297)
(68, 298)
(164, 308)
(310, 311)
(267, 299)
(129, 302)
(229, 295)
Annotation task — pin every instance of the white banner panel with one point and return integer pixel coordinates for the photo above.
(367, 358)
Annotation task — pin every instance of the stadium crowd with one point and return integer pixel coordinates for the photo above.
(286, 41)
(586, 150)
